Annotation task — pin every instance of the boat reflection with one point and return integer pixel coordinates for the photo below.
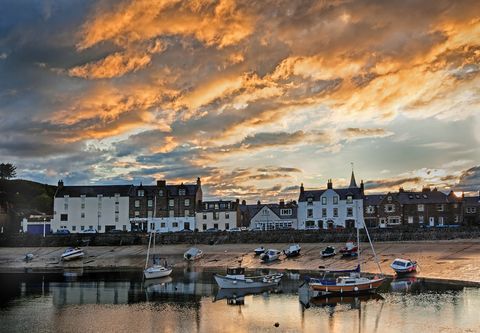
(403, 284)
(237, 296)
(353, 301)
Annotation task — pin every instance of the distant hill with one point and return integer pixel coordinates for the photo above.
(28, 197)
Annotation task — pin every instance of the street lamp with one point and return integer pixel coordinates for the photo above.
(44, 227)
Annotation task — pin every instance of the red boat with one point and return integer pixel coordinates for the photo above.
(350, 250)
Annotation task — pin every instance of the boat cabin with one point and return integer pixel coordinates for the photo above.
(236, 271)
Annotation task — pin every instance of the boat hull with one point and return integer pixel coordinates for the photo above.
(405, 271)
(72, 255)
(153, 273)
(360, 288)
(291, 254)
(232, 283)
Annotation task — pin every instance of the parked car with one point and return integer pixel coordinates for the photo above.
(116, 231)
(61, 232)
(89, 231)
(212, 230)
(186, 230)
(234, 230)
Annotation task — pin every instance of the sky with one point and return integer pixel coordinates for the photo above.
(254, 97)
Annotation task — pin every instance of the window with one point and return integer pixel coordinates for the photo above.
(140, 193)
(389, 198)
(335, 212)
(187, 212)
(215, 215)
(227, 216)
(150, 214)
(349, 211)
(420, 219)
(324, 200)
(150, 203)
(389, 208)
(204, 227)
(439, 208)
(370, 209)
(74, 227)
(124, 227)
(309, 201)
(410, 219)
(99, 227)
(471, 210)
(393, 220)
(162, 225)
(182, 191)
(335, 200)
(171, 213)
(309, 224)
(215, 225)
(440, 220)
(309, 212)
(99, 214)
(82, 206)
(286, 211)
(116, 219)
(175, 224)
(65, 206)
(160, 193)
(204, 216)
(152, 226)
(457, 219)
(216, 206)
(187, 202)
(324, 212)
(82, 215)
(137, 203)
(82, 228)
(63, 217)
(171, 202)
(349, 199)
(227, 226)
(265, 212)
(137, 213)
(420, 208)
(117, 208)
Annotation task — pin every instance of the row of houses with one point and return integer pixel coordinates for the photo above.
(170, 208)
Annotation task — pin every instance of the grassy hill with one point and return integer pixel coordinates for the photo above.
(28, 197)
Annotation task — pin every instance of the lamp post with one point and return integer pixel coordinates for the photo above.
(98, 221)
(44, 227)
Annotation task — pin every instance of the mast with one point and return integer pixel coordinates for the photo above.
(148, 250)
(358, 233)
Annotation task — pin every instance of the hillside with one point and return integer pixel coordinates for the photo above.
(28, 197)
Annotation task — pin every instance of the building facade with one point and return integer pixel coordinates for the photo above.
(471, 210)
(272, 216)
(331, 208)
(220, 215)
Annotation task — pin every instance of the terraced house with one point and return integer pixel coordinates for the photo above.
(218, 215)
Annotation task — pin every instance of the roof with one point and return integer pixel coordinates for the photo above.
(151, 190)
(221, 204)
(474, 201)
(353, 183)
(373, 199)
(253, 210)
(94, 190)
(342, 192)
(424, 197)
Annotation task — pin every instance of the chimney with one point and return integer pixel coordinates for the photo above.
(161, 183)
(259, 203)
(282, 203)
(400, 190)
(199, 182)
(301, 188)
(362, 187)
(237, 201)
(244, 203)
(426, 189)
(60, 184)
(329, 184)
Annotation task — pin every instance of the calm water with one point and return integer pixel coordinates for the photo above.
(189, 301)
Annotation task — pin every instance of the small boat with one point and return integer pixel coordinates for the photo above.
(350, 250)
(270, 255)
(404, 266)
(193, 254)
(329, 251)
(236, 279)
(156, 270)
(28, 257)
(292, 251)
(72, 253)
(259, 250)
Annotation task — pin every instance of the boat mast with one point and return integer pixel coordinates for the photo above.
(148, 250)
(358, 233)
(373, 249)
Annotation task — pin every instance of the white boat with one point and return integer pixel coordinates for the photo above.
(156, 270)
(193, 254)
(270, 255)
(72, 253)
(292, 251)
(404, 266)
(236, 279)
(259, 250)
(329, 251)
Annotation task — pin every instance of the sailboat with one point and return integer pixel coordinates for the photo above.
(350, 284)
(156, 270)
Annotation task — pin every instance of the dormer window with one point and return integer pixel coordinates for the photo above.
(182, 191)
(140, 193)
(389, 198)
(324, 200)
(410, 196)
(310, 201)
(160, 193)
(335, 200)
(425, 196)
(349, 199)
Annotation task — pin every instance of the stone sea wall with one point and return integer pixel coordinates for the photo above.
(257, 237)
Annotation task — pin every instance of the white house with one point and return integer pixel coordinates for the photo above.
(331, 208)
(221, 215)
(170, 224)
(103, 208)
(272, 216)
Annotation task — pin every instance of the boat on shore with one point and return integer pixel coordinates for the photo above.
(329, 251)
(192, 254)
(236, 279)
(292, 251)
(404, 266)
(156, 270)
(259, 250)
(270, 255)
(349, 250)
(72, 253)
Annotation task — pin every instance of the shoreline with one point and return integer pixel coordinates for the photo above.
(453, 261)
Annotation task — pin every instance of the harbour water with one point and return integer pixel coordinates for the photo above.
(189, 301)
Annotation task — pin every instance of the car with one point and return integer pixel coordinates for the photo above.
(234, 230)
(62, 232)
(116, 231)
(186, 230)
(88, 231)
(212, 230)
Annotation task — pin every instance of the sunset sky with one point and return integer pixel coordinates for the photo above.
(254, 97)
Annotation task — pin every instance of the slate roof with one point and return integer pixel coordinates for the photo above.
(430, 197)
(373, 199)
(94, 190)
(472, 201)
(253, 210)
(151, 190)
(342, 192)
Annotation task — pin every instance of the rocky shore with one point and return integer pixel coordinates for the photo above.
(454, 260)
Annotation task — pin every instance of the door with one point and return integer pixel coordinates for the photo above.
(186, 226)
(431, 220)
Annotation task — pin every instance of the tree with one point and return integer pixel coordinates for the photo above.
(7, 171)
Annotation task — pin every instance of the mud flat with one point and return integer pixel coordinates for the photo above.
(454, 260)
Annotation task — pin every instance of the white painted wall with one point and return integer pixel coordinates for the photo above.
(169, 224)
(221, 221)
(266, 219)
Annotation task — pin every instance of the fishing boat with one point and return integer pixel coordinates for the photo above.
(403, 266)
(193, 254)
(292, 251)
(329, 251)
(270, 255)
(72, 253)
(259, 250)
(236, 279)
(156, 270)
(350, 282)
(350, 250)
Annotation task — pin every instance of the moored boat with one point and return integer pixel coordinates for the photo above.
(72, 253)
(270, 255)
(329, 251)
(236, 279)
(403, 266)
(259, 250)
(156, 270)
(192, 254)
(292, 251)
(350, 250)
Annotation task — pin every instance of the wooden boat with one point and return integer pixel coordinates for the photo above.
(193, 254)
(72, 253)
(292, 251)
(270, 255)
(156, 270)
(236, 279)
(403, 266)
(353, 283)
(329, 251)
(350, 250)
(259, 250)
